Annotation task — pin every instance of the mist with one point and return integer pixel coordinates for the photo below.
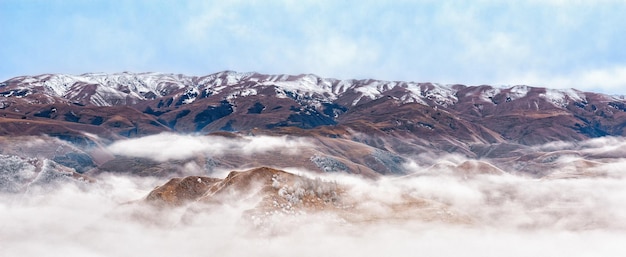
(502, 215)
(431, 212)
(167, 146)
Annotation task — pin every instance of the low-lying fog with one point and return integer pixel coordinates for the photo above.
(505, 215)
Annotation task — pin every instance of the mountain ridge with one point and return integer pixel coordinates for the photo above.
(148, 85)
(446, 117)
(367, 127)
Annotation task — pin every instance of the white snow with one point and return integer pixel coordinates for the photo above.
(192, 93)
(137, 84)
(342, 86)
(123, 88)
(489, 93)
(442, 95)
(306, 86)
(60, 84)
(415, 95)
(104, 96)
(232, 78)
(560, 98)
(518, 92)
(373, 90)
(242, 93)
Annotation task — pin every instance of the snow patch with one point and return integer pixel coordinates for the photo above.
(561, 98)
(373, 90)
(306, 87)
(518, 92)
(192, 94)
(487, 95)
(342, 86)
(442, 95)
(242, 93)
(414, 96)
(105, 96)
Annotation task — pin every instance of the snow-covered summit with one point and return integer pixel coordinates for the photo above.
(126, 88)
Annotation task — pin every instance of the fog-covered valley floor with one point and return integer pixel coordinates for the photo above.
(435, 210)
(510, 216)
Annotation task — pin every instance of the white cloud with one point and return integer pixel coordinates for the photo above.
(610, 80)
(335, 56)
(163, 147)
(583, 216)
(511, 216)
(206, 18)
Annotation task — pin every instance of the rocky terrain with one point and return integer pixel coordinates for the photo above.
(279, 193)
(366, 127)
(58, 127)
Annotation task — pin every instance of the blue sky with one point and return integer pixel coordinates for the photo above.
(554, 43)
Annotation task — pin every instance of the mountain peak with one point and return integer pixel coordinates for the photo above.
(96, 88)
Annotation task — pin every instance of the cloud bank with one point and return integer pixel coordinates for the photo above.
(166, 146)
(506, 215)
(488, 215)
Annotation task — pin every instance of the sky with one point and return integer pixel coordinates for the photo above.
(553, 43)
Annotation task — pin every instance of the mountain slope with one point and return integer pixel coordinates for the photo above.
(446, 117)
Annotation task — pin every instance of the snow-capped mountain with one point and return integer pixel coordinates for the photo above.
(273, 153)
(131, 104)
(130, 88)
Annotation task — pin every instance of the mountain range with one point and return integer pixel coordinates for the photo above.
(273, 153)
(368, 126)
(449, 116)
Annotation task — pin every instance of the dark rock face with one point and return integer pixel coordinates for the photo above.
(212, 113)
(80, 162)
(257, 108)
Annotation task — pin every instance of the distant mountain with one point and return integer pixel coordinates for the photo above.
(253, 159)
(130, 104)
(390, 118)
